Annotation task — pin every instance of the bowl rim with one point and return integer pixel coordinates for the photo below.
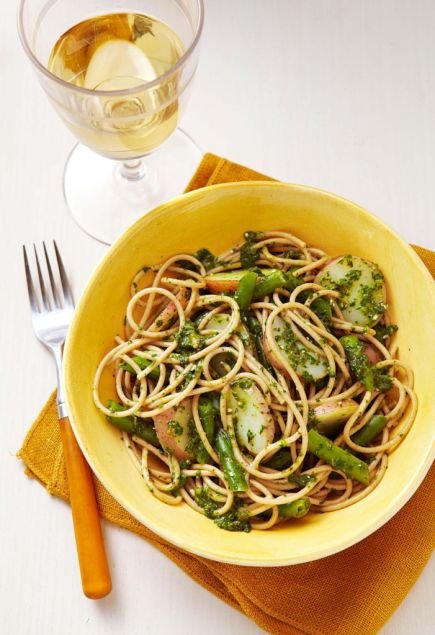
(319, 551)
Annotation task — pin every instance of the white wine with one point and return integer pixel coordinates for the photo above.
(120, 51)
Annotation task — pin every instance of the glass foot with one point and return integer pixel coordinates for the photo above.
(105, 196)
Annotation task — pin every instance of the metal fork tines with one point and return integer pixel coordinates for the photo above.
(51, 304)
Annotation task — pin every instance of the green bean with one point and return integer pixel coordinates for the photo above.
(339, 458)
(207, 414)
(232, 469)
(367, 374)
(143, 428)
(268, 284)
(142, 363)
(292, 281)
(281, 460)
(257, 337)
(245, 290)
(323, 309)
(358, 361)
(123, 423)
(295, 509)
(370, 431)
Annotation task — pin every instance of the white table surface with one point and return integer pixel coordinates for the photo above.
(338, 94)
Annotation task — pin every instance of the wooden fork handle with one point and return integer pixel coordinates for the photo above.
(94, 568)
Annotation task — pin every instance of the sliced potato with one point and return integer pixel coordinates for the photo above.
(253, 421)
(307, 364)
(172, 429)
(228, 281)
(361, 287)
(330, 417)
(219, 322)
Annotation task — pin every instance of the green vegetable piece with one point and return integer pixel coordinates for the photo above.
(143, 428)
(188, 338)
(339, 458)
(323, 309)
(143, 364)
(292, 281)
(358, 361)
(233, 471)
(370, 431)
(295, 509)
(245, 291)
(369, 376)
(301, 480)
(256, 333)
(207, 414)
(123, 423)
(267, 285)
(281, 460)
(383, 381)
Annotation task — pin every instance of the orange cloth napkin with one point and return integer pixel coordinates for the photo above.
(355, 591)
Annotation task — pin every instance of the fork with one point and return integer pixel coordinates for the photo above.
(52, 307)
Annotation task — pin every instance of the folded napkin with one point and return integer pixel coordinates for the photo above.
(355, 591)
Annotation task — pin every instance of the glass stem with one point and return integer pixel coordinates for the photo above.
(133, 170)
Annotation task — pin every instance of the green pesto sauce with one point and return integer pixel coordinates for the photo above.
(193, 436)
(236, 519)
(383, 332)
(188, 338)
(248, 254)
(175, 429)
(302, 480)
(245, 383)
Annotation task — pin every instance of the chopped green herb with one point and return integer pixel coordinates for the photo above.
(248, 254)
(323, 309)
(208, 259)
(188, 338)
(301, 480)
(383, 332)
(236, 519)
(245, 383)
(175, 429)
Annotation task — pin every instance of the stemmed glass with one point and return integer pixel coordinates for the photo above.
(131, 156)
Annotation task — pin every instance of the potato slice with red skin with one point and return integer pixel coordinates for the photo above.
(273, 359)
(172, 429)
(253, 421)
(361, 286)
(224, 282)
(228, 281)
(310, 365)
(163, 321)
(331, 416)
(219, 322)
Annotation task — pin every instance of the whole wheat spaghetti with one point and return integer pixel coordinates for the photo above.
(259, 385)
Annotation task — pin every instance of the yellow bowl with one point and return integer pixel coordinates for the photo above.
(216, 217)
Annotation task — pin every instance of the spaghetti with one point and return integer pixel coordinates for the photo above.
(261, 384)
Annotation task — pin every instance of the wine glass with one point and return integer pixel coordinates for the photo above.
(118, 72)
